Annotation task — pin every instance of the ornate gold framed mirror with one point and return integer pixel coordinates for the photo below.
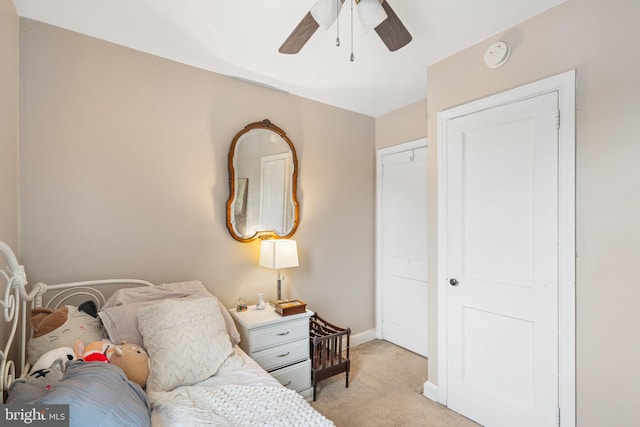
(263, 175)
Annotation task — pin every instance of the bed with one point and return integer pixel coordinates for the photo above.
(197, 373)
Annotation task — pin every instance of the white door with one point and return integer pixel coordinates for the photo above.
(502, 263)
(403, 247)
(274, 175)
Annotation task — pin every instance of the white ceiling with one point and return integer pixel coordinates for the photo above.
(241, 38)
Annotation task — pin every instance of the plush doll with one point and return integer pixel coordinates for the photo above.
(133, 360)
(48, 370)
(46, 378)
(58, 357)
(46, 320)
(62, 327)
(95, 351)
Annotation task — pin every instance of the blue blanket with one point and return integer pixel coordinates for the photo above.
(98, 394)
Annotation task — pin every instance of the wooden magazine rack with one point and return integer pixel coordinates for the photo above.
(329, 346)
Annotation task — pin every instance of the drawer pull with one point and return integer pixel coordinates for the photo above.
(287, 384)
(281, 334)
(284, 355)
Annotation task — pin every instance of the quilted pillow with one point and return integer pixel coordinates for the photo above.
(186, 340)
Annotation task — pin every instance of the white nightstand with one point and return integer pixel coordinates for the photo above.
(280, 344)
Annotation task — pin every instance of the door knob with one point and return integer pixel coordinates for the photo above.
(453, 282)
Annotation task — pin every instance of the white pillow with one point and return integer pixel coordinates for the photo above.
(119, 314)
(186, 341)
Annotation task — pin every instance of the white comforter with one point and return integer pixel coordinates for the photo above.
(247, 396)
(236, 405)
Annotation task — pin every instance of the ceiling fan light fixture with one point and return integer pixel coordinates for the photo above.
(325, 12)
(371, 13)
(376, 14)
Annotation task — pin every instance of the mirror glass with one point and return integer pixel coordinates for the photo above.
(263, 170)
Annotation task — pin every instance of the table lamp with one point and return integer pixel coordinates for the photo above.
(277, 254)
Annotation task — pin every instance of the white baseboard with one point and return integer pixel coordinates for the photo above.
(430, 391)
(362, 337)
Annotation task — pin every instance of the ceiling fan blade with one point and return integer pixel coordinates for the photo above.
(300, 35)
(392, 31)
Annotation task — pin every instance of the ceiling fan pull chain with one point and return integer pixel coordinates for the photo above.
(352, 56)
(338, 23)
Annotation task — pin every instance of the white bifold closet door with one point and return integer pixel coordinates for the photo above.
(403, 234)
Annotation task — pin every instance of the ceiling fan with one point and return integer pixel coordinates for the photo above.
(376, 14)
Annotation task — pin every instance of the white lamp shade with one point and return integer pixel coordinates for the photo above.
(278, 253)
(371, 13)
(325, 12)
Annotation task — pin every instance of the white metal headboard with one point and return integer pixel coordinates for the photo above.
(15, 302)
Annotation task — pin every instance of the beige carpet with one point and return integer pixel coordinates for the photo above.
(385, 389)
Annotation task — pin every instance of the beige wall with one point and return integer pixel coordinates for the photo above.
(402, 125)
(9, 124)
(124, 163)
(8, 134)
(598, 39)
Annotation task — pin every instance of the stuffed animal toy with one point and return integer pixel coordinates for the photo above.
(96, 351)
(48, 370)
(46, 320)
(46, 378)
(62, 327)
(133, 360)
(58, 357)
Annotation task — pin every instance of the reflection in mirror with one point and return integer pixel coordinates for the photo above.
(263, 170)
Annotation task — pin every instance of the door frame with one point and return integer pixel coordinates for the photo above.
(564, 84)
(380, 153)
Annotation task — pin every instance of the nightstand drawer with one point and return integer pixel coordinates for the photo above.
(283, 355)
(296, 377)
(275, 335)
